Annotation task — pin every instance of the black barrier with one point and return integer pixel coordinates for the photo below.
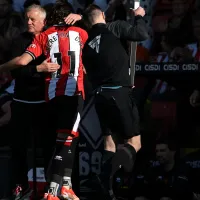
(155, 68)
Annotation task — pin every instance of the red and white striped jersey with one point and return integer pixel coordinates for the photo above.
(63, 45)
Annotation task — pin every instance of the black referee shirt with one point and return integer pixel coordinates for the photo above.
(105, 58)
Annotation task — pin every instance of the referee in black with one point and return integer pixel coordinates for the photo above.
(107, 66)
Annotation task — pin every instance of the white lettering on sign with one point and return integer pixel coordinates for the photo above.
(152, 67)
(89, 163)
(171, 67)
(166, 67)
(190, 67)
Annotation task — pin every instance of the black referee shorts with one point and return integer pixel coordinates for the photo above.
(117, 112)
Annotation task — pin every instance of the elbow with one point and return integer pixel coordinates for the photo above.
(142, 33)
(139, 36)
(20, 62)
(143, 36)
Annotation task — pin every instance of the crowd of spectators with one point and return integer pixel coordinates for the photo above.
(166, 169)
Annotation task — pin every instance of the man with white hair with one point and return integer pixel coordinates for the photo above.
(62, 44)
(28, 103)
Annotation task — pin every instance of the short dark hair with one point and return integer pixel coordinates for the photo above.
(58, 13)
(91, 12)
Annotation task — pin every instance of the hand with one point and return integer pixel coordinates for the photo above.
(84, 70)
(194, 98)
(139, 11)
(46, 66)
(72, 19)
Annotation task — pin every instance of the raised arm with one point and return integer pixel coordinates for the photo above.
(124, 30)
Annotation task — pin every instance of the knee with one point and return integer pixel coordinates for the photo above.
(135, 142)
(109, 143)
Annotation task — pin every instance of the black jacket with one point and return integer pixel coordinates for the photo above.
(29, 84)
(104, 57)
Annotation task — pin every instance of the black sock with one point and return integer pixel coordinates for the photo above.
(105, 171)
(106, 161)
(106, 168)
(129, 166)
(124, 157)
(64, 157)
(62, 162)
